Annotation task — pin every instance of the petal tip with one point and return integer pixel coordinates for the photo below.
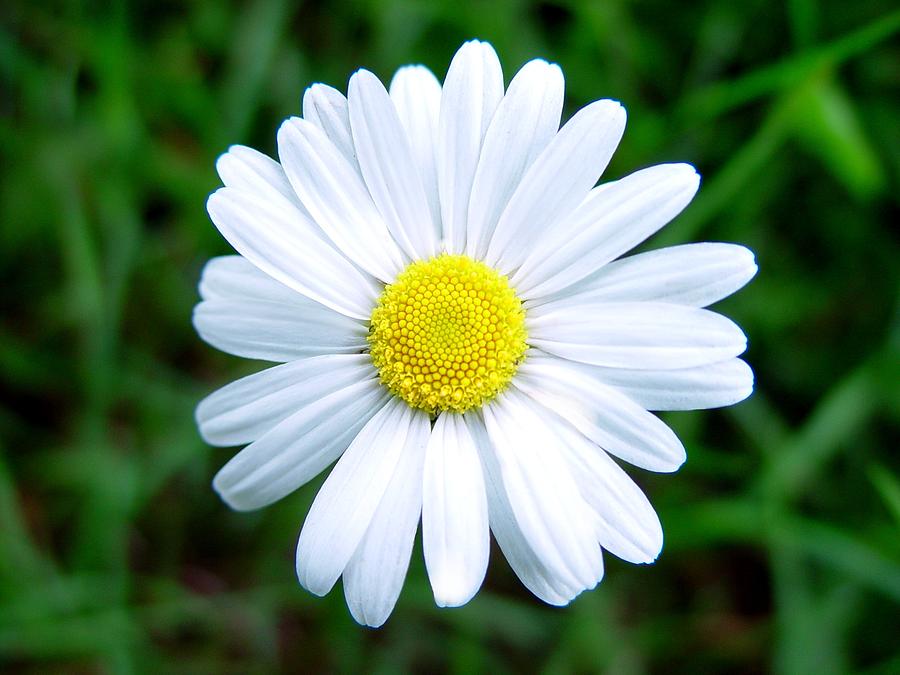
(447, 594)
(608, 112)
(752, 265)
(686, 173)
(362, 75)
(366, 621)
(747, 390)
(473, 47)
(223, 485)
(617, 108)
(214, 199)
(307, 579)
(226, 158)
(650, 556)
(678, 463)
(674, 462)
(292, 124)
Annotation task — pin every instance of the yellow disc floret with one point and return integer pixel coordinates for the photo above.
(448, 334)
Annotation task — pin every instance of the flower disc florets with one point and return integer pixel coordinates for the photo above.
(448, 334)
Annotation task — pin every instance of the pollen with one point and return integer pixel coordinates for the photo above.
(448, 334)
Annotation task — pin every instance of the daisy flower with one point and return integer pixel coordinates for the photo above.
(440, 277)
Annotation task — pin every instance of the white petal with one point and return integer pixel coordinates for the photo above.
(713, 385)
(455, 531)
(539, 578)
(374, 576)
(628, 526)
(525, 121)
(251, 171)
(610, 419)
(344, 507)
(610, 222)
(287, 246)
(326, 108)
(334, 193)
(558, 527)
(644, 335)
(247, 313)
(277, 331)
(232, 277)
(556, 183)
(692, 274)
(387, 165)
(298, 448)
(472, 90)
(244, 410)
(416, 94)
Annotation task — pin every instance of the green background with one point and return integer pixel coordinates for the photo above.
(782, 551)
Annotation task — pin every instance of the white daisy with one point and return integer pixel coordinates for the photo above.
(439, 276)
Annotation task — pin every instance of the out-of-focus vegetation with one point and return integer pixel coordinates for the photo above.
(782, 530)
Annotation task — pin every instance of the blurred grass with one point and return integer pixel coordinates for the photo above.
(782, 549)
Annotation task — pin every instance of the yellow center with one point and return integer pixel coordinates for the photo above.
(448, 334)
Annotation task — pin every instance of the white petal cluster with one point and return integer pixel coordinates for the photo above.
(367, 184)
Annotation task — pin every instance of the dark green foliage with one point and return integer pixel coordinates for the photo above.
(782, 530)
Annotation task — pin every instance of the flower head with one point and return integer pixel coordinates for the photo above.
(442, 282)
(448, 334)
